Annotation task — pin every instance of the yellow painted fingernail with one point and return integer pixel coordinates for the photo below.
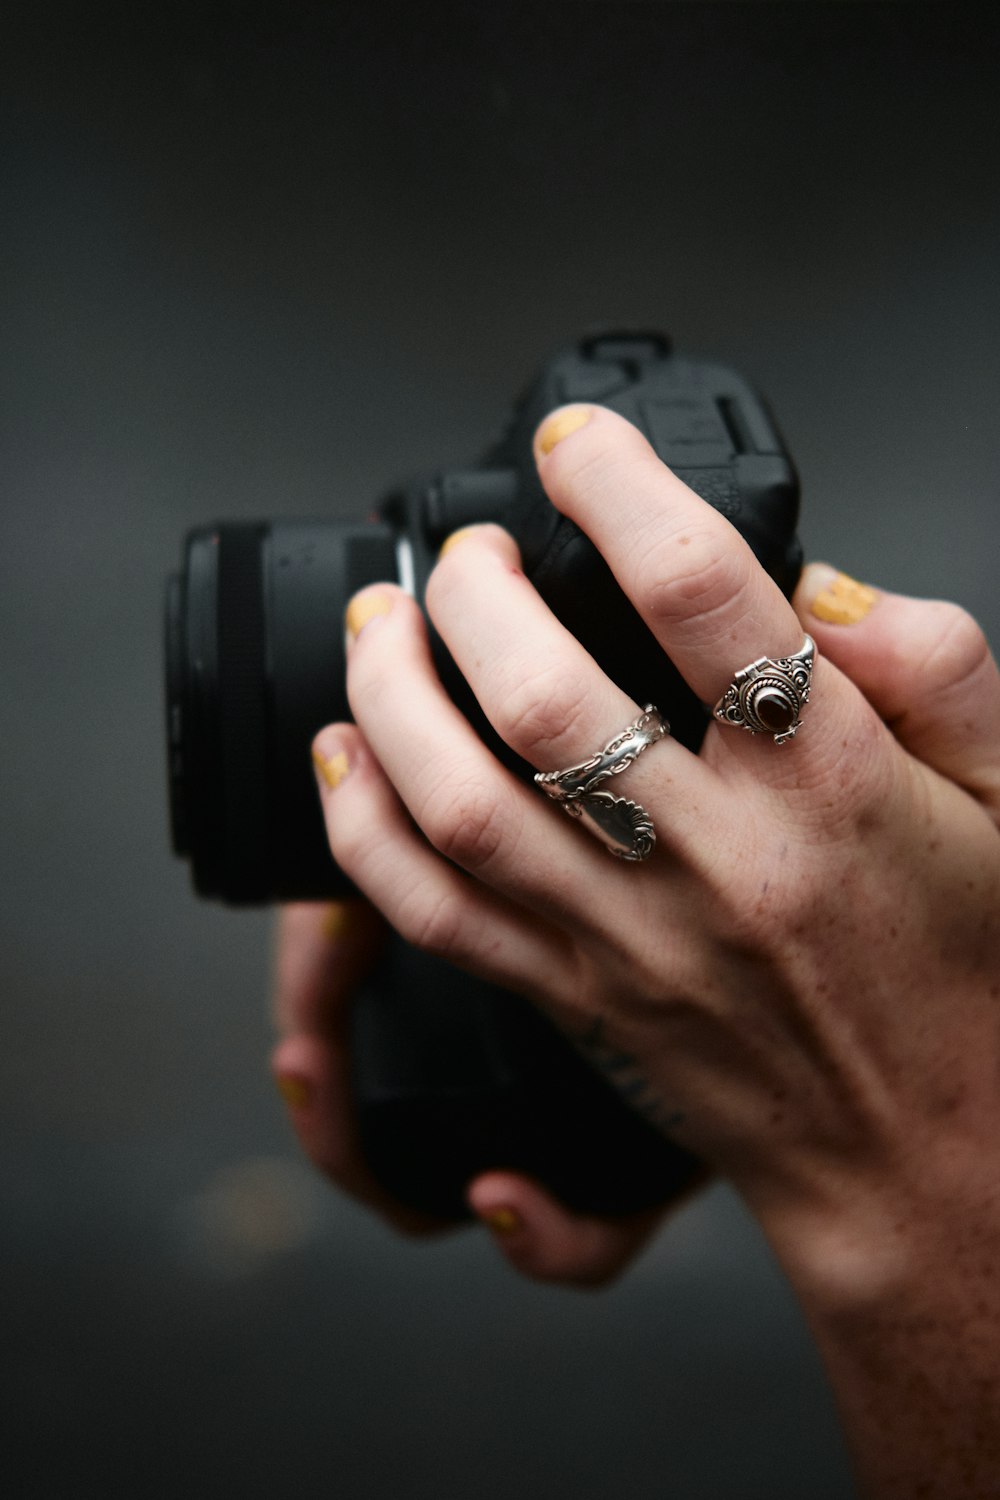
(295, 1091)
(336, 920)
(456, 537)
(560, 425)
(841, 600)
(503, 1220)
(363, 609)
(332, 768)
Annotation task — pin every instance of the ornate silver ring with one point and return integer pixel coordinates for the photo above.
(768, 696)
(625, 828)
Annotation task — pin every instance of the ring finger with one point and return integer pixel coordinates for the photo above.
(545, 696)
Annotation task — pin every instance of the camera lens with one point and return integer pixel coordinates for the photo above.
(255, 666)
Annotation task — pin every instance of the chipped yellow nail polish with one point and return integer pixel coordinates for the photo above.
(336, 920)
(360, 611)
(843, 601)
(456, 537)
(295, 1091)
(503, 1220)
(332, 768)
(560, 425)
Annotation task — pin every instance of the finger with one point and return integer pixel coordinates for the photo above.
(323, 951)
(430, 904)
(688, 572)
(541, 690)
(544, 1240)
(471, 810)
(313, 1077)
(924, 665)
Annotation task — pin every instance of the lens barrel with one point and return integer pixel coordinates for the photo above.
(255, 666)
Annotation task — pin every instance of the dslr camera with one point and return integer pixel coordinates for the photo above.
(451, 1076)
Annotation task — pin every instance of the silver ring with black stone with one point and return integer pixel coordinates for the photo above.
(768, 696)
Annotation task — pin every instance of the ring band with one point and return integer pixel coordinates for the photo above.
(768, 696)
(624, 827)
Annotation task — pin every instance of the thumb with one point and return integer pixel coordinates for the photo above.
(924, 665)
(546, 1241)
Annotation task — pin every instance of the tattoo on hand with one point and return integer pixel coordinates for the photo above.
(622, 1069)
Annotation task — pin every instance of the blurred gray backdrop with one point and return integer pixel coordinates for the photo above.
(266, 259)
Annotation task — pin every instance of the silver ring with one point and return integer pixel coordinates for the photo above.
(768, 696)
(625, 828)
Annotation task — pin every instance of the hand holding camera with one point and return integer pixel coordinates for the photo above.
(792, 971)
(451, 1074)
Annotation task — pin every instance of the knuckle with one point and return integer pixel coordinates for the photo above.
(542, 707)
(773, 907)
(446, 580)
(689, 579)
(848, 774)
(433, 923)
(374, 662)
(355, 841)
(368, 684)
(599, 466)
(584, 469)
(459, 568)
(466, 822)
(960, 650)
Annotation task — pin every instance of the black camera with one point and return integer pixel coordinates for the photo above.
(451, 1075)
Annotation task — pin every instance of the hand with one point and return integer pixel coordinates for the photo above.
(806, 974)
(323, 954)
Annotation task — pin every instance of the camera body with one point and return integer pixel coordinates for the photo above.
(451, 1076)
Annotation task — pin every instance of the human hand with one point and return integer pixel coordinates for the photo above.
(805, 975)
(323, 954)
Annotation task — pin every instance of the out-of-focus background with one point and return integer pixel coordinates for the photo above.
(265, 260)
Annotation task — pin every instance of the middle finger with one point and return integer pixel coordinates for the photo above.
(690, 575)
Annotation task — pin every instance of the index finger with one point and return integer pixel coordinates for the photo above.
(687, 570)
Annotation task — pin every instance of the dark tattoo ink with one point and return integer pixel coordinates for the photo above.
(622, 1069)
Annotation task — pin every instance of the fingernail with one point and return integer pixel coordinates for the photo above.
(295, 1091)
(503, 1220)
(336, 918)
(456, 537)
(834, 597)
(332, 768)
(560, 425)
(361, 610)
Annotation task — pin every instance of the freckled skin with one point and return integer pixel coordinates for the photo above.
(803, 985)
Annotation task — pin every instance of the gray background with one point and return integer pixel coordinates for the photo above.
(266, 260)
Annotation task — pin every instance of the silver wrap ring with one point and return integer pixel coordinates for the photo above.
(625, 828)
(768, 696)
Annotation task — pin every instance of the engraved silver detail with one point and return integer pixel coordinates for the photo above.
(768, 696)
(625, 828)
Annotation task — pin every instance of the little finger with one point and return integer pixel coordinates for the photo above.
(924, 665)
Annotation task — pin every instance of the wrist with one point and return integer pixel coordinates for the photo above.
(901, 1288)
(858, 1242)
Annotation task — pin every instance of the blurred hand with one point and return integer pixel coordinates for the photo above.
(323, 953)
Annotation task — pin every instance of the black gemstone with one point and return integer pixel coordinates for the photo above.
(774, 711)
